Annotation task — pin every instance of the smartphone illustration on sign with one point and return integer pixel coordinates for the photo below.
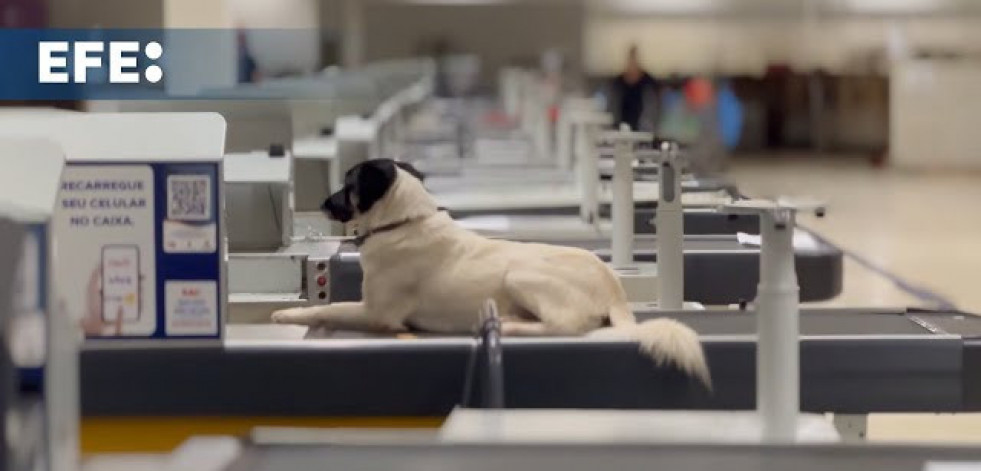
(120, 283)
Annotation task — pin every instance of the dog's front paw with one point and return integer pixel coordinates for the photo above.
(297, 315)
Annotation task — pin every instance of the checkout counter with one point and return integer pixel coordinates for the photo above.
(137, 207)
(851, 361)
(588, 457)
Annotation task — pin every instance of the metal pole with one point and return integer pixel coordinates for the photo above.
(527, 110)
(623, 204)
(563, 138)
(543, 128)
(510, 92)
(778, 327)
(588, 173)
(572, 112)
(352, 31)
(670, 223)
(491, 331)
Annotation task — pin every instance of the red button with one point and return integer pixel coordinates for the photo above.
(322, 280)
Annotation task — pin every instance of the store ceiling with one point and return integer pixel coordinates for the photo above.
(752, 7)
(794, 7)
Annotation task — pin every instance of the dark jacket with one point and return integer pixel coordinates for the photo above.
(634, 104)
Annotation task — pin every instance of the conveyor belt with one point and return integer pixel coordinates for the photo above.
(697, 221)
(700, 222)
(598, 457)
(545, 198)
(718, 270)
(707, 191)
(851, 362)
(536, 173)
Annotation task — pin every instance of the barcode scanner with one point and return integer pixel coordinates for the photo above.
(277, 150)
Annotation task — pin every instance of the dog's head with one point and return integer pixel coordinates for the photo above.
(365, 184)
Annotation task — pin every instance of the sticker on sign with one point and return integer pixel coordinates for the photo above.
(191, 307)
(189, 197)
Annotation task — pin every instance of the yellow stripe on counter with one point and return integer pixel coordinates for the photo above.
(163, 434)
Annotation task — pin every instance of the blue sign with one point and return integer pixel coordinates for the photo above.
(144, 245)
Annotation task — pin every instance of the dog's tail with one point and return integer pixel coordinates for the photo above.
(666, 341)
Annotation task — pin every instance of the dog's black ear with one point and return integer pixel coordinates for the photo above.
(374, 178)
(411, 170)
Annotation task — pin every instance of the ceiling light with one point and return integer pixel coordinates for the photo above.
(893, 6)
(658, 6)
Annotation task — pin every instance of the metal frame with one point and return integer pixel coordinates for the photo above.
(569, 457)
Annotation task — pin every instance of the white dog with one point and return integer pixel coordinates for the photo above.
(422, 270)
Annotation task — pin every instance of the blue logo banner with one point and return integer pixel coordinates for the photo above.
(121, 64)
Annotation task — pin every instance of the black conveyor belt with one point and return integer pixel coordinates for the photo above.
(701, 222)
(697, 221)
(851, 362)
(702, 185)
(718, 269)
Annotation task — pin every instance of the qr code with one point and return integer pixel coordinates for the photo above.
(189, 197)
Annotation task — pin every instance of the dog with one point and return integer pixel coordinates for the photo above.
(423, 271)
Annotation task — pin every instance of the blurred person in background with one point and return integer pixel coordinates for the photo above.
(248, 69)
(633, 95)
(729, 109)
(706, 119)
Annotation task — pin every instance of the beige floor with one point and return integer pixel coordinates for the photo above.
(923, 227)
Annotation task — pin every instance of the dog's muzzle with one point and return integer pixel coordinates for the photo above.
(337, 208)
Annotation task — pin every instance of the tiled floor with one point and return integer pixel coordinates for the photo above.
(924, 228)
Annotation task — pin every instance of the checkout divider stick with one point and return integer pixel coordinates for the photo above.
(588, 173)
(624, 143)
(670, 223)
(563, 140)
(623, 204)
(778, 325)
(586, 126)
(777, 318)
